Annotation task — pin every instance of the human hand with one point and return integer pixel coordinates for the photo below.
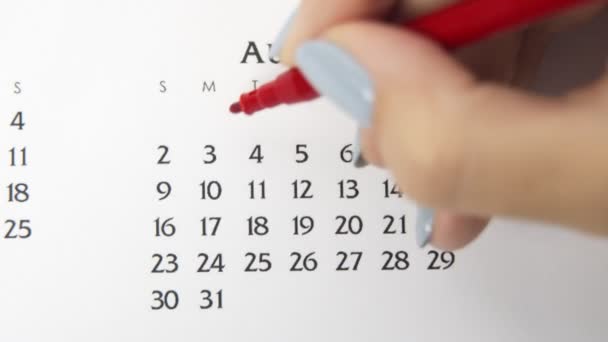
(460, 132)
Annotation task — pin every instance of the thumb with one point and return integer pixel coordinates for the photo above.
(455, 143)
(361, 65)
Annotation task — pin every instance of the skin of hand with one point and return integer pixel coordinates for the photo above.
(459, 131)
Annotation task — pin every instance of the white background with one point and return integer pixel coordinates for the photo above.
(90, 71)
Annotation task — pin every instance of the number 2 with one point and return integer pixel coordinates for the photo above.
(163, 157)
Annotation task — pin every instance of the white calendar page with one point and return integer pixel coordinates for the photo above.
(126, 209)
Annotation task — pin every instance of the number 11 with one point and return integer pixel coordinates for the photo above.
(18, 157)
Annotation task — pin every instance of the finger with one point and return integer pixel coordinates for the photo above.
(453, 231)
(530, 56)
(536, 38)
(493, 59)
(314, 16)
(574, 17)
(459, 144)
(511, 59)
(496, 59)
(369, 150)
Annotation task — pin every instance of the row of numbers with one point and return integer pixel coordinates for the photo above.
(210, 155)
(301, 189)
(301, 225)
(301, 262)
(169, 300)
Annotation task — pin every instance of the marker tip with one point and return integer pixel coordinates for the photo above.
(235, 108)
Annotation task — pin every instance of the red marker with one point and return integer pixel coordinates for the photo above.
(454, 26)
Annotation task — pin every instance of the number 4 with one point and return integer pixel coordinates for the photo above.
(18, 121)
(256, 154)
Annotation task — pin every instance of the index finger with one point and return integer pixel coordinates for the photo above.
(315, 16)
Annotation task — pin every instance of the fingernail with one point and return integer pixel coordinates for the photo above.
(424, 226)
(336, 74)
(279, 41)
(359, 160)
